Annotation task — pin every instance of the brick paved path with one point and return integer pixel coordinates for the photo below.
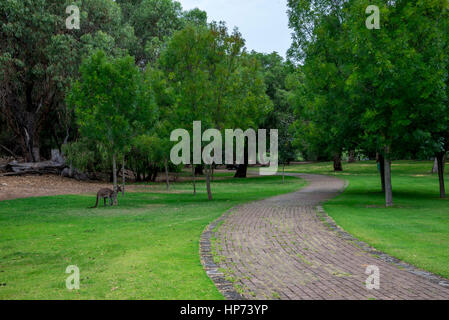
(279, 248)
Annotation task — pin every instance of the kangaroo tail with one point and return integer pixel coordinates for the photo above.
(96, 204)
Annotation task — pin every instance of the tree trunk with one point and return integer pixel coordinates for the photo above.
(242, 169)
(337, 162)
(351, 156)
(388, 187)
(381, 162)
(435, 166)
(193, 179)
(32, 141)
(441, 159)
(123, 176)
(114, 176)
(154, 170)
(283, 173)
(28, 145)
(137, 171)
(167, 179)
(36, 154)
(209, 191)
(199, 170)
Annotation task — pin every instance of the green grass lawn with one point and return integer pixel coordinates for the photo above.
(147, 248)
(416, 230)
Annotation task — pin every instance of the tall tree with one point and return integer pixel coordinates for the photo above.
(279, 81)
(213, 81)
(440, 132)
(238, 96)
(112, 104)
(183, 63)
(328, 119)
(39, 57)
(400, 110)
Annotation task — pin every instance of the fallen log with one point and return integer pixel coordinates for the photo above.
(35, 167)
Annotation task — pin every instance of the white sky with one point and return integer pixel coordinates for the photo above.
(263, 23)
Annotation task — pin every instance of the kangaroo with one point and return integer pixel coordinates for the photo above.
(106, 194)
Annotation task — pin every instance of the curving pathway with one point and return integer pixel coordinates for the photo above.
(280, 248)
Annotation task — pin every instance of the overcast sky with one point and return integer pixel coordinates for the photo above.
(263, 23)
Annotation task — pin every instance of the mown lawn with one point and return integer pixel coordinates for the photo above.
(416, 230)
(147, 248)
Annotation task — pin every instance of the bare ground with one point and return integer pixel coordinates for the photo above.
(14, 187)
(45, 185)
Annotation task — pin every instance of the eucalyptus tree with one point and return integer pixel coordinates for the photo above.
(40, 56)
(154, 22)
(165, 121)
(212, 80)
(183, 64)
(112, 104)
(238, 96)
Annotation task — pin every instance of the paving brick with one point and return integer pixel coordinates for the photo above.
(280, 247)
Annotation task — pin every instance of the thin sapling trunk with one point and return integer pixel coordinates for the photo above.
(208, 174)
(441, 159)
(193, 179)
(382, 171)
(114, 177)
(123, 176)
(167, 179)
(388, 187)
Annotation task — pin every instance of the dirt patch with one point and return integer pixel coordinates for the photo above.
(45, 185)
(14, 187)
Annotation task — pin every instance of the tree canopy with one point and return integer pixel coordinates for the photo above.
(380, 90)
(112, 104)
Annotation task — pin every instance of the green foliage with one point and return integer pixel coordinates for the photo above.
(277, 76)
(39, 57)
(210, 79)
(82, 155)
(371, 88)
(400, 74)
(381, 90)
(327, 121)
(153, 23)
(113, 104)
(148, 154)
(196, 17)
